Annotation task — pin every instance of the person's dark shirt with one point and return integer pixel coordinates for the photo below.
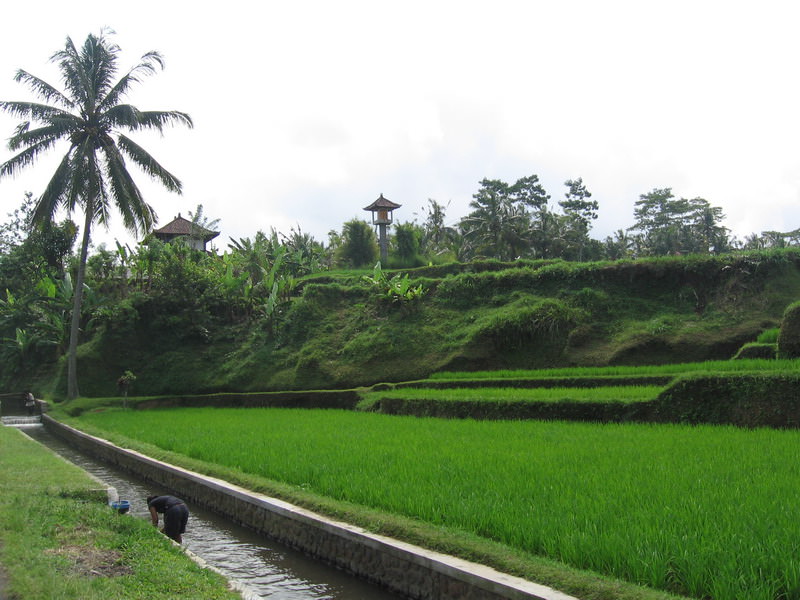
(163, 503)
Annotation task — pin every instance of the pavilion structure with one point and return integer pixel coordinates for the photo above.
(381, 211)
(196, 237)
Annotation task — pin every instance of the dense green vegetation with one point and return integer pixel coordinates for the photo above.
(508, 287)
(179, 330)
(59, 540)
(700, 511)
(516, 284)
(91, 116)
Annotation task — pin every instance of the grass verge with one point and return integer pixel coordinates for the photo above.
(60, 541)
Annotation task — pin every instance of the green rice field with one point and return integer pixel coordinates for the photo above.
(707, 512)
(599, 394)
(715, 366)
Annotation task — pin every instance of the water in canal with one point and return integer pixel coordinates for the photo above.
(266, 569)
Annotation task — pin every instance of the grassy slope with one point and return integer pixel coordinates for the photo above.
(59, 541)
(536, 315)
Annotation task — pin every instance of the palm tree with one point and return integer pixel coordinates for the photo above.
(498, 226)
(93, 174)
(201, 225)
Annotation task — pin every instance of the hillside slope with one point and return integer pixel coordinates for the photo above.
(344, 332)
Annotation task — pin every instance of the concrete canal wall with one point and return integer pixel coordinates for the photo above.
(408, 570)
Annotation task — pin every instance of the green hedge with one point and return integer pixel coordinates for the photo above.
(603, 412)
(789, 336)
(769, 400)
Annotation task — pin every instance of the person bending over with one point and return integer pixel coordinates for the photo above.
(176, 515)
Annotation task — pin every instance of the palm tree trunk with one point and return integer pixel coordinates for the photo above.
(72, 354)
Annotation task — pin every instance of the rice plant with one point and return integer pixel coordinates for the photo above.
(707, 512)
(598, 394)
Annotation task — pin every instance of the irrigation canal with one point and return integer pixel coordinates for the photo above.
(262, 567)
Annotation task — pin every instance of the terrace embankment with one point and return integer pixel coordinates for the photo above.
(740, 399)
(403, 568)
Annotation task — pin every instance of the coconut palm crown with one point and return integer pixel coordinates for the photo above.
(93, 175)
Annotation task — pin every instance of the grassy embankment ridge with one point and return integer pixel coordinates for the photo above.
(59, 540)
(340, 333)
(743, 392)
(699, 511)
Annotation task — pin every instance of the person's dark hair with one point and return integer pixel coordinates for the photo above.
(150, 499)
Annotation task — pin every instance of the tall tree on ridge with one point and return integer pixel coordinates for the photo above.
(500, 224)
(93, 174)
(668, 225)
(580, 212)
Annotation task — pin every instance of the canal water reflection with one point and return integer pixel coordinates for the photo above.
(266, 568)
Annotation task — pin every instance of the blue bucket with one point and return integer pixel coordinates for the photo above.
(121, 506)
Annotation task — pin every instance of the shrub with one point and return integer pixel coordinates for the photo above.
(591, 300)
(769, 336)
(789, 336)
(514, 328)
(397, 288)
(359, 247)
(406, 243)
(757, 350)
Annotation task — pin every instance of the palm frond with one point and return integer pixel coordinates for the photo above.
(146, 67)
(16, 163)
(22, 128)
(88, 73)
(152, 119)
(99, 58)
(33, 110)
(82, 186)
(75, 78)
(125, 115)
(153, 56)
(30, 137)
(42, 89)
(55, 193)
(148, 164)
(122, 115)
(137, 215)
(102, 204)
(157, 119)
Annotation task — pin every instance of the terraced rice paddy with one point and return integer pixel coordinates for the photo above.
(719, 366)
(708, 512)
(601, 394)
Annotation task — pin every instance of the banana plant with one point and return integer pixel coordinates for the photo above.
(397, 288)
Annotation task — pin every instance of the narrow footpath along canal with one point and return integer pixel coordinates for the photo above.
(264, 568)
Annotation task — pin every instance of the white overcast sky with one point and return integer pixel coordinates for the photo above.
(306, 111)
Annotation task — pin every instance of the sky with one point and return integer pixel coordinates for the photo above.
(305, 112)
